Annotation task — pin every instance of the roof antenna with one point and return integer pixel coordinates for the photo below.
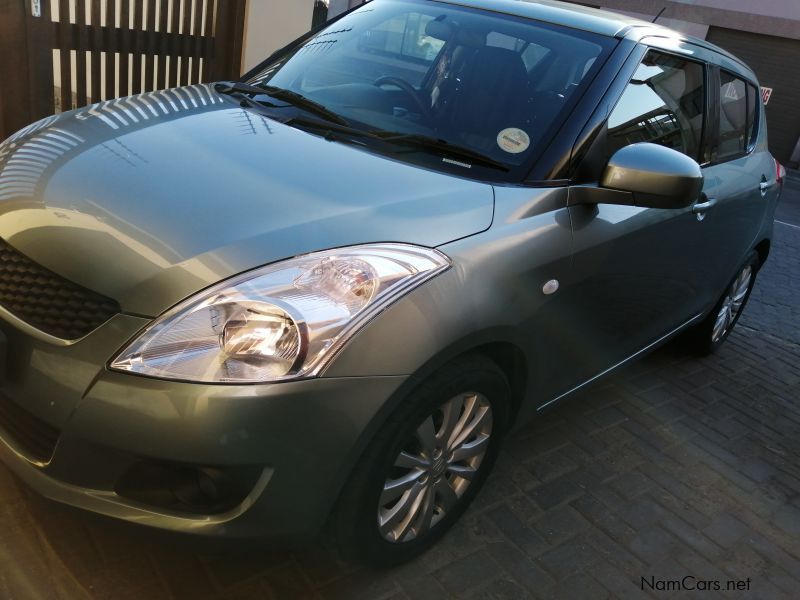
(661, 12)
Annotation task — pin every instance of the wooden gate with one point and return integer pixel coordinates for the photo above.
(61, 54)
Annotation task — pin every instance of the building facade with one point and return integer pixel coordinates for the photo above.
(763, 33)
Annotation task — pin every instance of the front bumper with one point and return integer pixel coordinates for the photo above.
(301, 438)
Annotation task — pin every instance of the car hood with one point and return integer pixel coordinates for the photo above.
(151, 198)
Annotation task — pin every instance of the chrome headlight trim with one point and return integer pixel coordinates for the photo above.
(328, 297)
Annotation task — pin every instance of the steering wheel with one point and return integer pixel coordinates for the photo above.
(410, 91)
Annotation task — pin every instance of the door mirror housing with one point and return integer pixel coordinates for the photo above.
(656, 176)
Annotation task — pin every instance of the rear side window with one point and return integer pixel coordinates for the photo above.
(663, 104)
(737, 116)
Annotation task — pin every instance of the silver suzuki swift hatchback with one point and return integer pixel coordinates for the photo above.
(324, 293)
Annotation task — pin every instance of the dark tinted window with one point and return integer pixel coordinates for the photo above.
(663, 104)
(738, 116)
(733, 129)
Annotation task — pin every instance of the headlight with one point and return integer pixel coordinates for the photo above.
(279, 322)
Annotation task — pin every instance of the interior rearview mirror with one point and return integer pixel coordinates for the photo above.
(655, 176)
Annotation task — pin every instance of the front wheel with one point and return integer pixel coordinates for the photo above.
(709, 335)
(425, 466)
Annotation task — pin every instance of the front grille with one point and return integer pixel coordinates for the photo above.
(36, 438)
(47, 301)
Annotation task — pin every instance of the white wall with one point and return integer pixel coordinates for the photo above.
(271, 24)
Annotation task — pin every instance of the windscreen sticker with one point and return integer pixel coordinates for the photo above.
(513, 140)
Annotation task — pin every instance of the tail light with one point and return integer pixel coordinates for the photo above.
(780, 173)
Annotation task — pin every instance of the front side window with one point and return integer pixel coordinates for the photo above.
(494, 84)
(736, 116)
(663, 104)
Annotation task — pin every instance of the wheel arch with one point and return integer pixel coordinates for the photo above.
(511, 360)
(496, 345)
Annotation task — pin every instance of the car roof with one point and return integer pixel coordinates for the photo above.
(595, 20)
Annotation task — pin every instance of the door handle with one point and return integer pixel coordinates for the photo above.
(700, 208)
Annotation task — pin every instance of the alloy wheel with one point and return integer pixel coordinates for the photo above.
(435, 467)
(732, 304)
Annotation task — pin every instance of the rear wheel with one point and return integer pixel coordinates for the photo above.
(707, 337)
(425, 466)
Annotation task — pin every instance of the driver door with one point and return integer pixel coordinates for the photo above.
(640, 273)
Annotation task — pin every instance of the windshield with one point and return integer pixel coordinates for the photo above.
(494, 86)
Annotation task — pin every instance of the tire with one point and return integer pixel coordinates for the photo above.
(705, 338)
(473, 382)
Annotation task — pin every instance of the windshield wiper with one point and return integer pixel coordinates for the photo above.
(415, 142)
(288, 96)
(229, 87)
(331, 128)
(418, 142)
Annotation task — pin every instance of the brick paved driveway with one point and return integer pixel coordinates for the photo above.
(674, 467)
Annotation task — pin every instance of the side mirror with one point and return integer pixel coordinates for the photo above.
(656, 176)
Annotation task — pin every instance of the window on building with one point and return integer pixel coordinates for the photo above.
(663, 104)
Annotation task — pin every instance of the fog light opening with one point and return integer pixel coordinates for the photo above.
(187, 488)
